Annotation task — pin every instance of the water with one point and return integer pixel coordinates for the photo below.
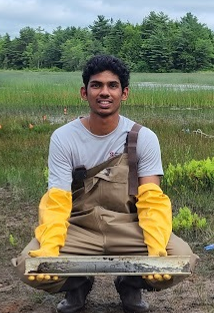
(180, 87)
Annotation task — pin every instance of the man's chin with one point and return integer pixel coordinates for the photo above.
(105, 114)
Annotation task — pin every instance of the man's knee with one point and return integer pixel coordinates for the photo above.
(19, 261)
(177, 246)
(19, 264)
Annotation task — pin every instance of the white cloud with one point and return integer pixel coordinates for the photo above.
(49, 14)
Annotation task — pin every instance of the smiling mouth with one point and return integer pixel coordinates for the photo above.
(104, 103)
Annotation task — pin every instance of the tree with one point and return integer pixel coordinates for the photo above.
(5, 56)
(77, 50)
(131, 47)
(53, 48)
(193, 46)
(204, 54)
(42, 38)
(27, 46)
(101, 28)
(157, 52)
(156, 49)
(72, 54)
(113, 41)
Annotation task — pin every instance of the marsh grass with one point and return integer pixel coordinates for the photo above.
(200, 78)
(167, 97)
(39, 91)
(23, 93)
(23, 155)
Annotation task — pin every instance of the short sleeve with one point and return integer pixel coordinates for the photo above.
(59, 165)
(148, 153)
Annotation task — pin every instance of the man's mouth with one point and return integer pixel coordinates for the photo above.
(104, 103)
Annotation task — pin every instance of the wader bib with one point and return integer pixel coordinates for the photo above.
(104, 216)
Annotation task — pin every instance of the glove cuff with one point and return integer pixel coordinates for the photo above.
(148, 187)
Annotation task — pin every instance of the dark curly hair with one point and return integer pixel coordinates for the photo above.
(101, 63)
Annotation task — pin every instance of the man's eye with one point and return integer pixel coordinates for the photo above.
(114, 85)
(95, 85)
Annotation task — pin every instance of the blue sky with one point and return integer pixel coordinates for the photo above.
(49, 14)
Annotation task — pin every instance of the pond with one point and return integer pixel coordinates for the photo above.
(180, 87)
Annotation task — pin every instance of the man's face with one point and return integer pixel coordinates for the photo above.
(104, 93)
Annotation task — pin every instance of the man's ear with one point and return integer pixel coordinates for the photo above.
(125, 94)
(83, 93)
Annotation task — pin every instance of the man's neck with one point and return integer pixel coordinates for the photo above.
(101, 125)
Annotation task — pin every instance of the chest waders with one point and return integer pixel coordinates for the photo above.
(104, 216)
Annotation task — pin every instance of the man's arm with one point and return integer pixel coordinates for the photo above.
(149, 179)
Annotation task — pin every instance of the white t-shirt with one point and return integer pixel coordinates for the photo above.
(73, 145)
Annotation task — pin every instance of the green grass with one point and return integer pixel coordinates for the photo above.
(200, 78)
(29, 92)
(23, 158)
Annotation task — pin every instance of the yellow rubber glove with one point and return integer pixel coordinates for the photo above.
(155, 218)
(54, 210)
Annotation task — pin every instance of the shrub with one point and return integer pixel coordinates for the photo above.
(186, 221)
(195, 175)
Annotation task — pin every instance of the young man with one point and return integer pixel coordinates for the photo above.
(100, 214)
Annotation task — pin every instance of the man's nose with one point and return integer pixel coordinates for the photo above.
(104, 91)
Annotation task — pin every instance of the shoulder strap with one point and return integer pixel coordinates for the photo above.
(132, 159)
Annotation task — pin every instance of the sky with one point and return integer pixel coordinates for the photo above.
(49, 14)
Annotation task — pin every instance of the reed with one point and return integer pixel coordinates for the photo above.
(38, 91)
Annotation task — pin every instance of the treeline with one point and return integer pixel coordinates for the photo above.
(158, 44)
